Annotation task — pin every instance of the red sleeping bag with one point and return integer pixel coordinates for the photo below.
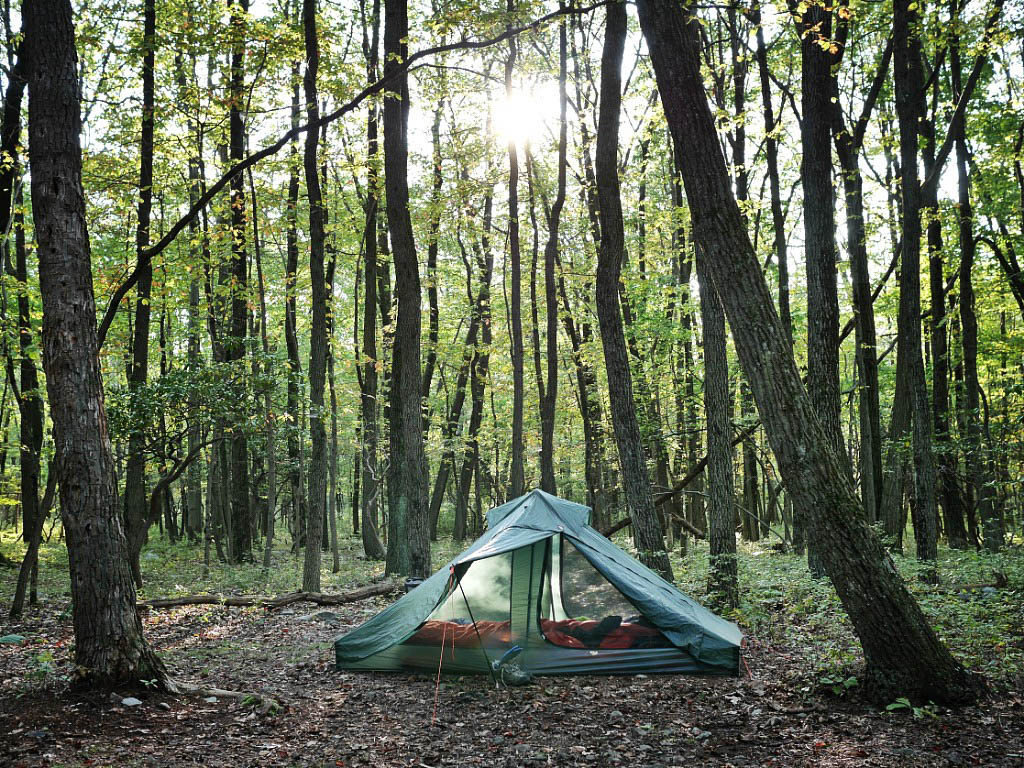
(449, 633)
(624, 636)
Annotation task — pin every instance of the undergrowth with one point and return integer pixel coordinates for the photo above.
(781, 605)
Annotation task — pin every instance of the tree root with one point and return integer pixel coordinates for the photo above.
(272, 603)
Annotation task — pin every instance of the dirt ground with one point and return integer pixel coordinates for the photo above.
(772, 715)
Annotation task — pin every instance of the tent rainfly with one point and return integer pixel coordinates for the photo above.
(542, 584)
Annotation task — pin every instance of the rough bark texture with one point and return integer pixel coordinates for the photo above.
(902, 651)
(408, 523)
(815, 27)
(109, 645)
(909, 107)
(241, 524)
(318, 331)
(647, 530)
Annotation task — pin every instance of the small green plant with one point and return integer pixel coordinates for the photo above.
(42, 666)
(919, 713)
(150, 684)
(839, 684)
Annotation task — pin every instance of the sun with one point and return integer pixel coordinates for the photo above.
(523, 116)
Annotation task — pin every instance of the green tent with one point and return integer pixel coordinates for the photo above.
(544, 586)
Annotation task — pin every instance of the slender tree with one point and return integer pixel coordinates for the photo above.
(647, 530)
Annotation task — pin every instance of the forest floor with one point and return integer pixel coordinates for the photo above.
(798, 705)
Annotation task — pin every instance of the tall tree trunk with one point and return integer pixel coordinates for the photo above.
(847, 144)
(517, 476)
(950, 496)
(370, 482)
(647, 530)
(318, 332)
(30, 404)
(109, 644)
(294, 406)
(723, 585)
(194, 482)
(901, 649)
(978, 466)
(909, 103)
(136, 504)
(815, 28)
(408, 521)
(241, 523)
(268, 415)
(433, 243)
(484, 259)
(547, 406)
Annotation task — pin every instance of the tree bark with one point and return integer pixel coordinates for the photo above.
(408, 521)
(901, 649)
(318, 456)
(647, 530)
(241, 523)
(909, 102)
(109, 644)
(135, 506)
(370, 483)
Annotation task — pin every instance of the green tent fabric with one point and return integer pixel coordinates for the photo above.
(538, 563)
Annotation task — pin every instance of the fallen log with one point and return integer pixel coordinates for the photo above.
(696, 470)
(272, 603)
(628, 521)
(999, 581)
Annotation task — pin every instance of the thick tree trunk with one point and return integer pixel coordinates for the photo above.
(109, 645)
(408, 521)
(902, 651)
(909, 102)
(815, 28)
(318, 332)
(647, 530)
(241, 523)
